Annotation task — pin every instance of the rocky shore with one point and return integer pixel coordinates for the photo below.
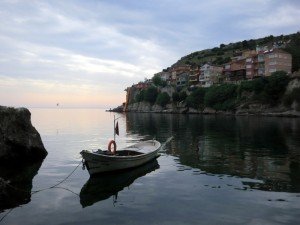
(21, 155)
(19, 140)
(277, 95)
(243, 110)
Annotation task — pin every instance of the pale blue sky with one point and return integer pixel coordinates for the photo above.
(84, 53)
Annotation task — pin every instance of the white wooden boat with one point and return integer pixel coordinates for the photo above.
(129, 157)
(102, 187)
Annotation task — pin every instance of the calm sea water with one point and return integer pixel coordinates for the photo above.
(215, 170)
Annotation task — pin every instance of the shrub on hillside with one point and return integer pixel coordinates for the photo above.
(259, 84)
(293, 96)
(162, 99)
(196, 98)
(182, 96)
(276, 85)
(179, 96)
(175, 97)
(157, 81)
(150, 94)
(221, 97)
(140, 96)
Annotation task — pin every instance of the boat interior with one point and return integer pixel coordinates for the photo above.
(120, 153)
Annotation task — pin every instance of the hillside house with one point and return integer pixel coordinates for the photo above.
(194, 76)
(265, 62)
(178, 69)
(210, 75)
(182, 79)
(277, 60)
(235, 71)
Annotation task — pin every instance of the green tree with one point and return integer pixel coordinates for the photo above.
(294, 49)
(140, 96)
(182, 96)
(163, 99)
(157, 81)
(259, 84)
(276, 85)
(175, 97)
(221, 97)
(150, 94)
(196, 98)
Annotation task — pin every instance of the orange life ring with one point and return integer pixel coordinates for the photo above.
(113, 151)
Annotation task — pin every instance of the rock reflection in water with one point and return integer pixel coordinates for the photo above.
(16, 185)
(103, 186)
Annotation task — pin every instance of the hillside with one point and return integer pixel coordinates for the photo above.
(223, 53)
(277, 95)
(277, 92)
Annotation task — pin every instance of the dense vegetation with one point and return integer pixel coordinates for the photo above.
(264, 90)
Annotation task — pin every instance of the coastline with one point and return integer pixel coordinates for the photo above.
(268, 112)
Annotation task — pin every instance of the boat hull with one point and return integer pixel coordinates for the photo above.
(99, 163)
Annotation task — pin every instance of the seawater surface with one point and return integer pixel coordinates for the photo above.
(215, 170)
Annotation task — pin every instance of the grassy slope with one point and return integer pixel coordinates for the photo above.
(223, 53)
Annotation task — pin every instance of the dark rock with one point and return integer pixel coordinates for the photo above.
(19, 140)
(208, 110)
(117, 109)
(16, 184)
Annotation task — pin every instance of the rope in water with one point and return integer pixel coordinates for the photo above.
(34, 192)
(53, 186)
(70, 174)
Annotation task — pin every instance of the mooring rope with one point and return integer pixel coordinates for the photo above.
(70, 174)
(34, 192)
(9, 211)
(162, 148)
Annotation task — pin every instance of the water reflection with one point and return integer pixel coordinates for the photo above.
(16, 185)
(260, 148)
(104, 186)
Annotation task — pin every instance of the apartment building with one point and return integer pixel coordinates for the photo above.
(277, 60)
(182, 79)
(235, 71)
(210, 75)
(178, 69)
(265, 62)
(194, 76)
(165, 76)
(255, 65)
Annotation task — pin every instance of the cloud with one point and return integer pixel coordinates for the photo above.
(104, 46)
(273, 21)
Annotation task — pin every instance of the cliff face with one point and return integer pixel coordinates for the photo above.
(248, 109)
(246, 104)
(19, 140)
(169, 108)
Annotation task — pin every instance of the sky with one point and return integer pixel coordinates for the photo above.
(85, 53)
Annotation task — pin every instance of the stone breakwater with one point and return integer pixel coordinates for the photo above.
(20, 142)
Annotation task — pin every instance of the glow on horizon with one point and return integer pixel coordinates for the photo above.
(47, 94)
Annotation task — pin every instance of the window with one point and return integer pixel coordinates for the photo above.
(272, 63)
(248, 66)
